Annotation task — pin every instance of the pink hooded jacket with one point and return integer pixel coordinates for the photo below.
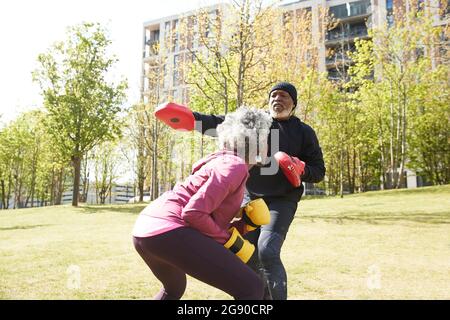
(207, 200)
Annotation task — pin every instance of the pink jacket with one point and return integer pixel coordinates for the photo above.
(207, 200)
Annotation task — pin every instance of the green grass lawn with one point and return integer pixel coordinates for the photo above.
(377, 245)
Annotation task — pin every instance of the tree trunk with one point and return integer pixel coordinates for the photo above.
(3, 194)
(96, 190)
(392, 141)
(225, 104)
(141, 189)
(60, 186)
(397, 149)
(351, 163)
(382, 161)
(52, 186)
(85, 188)
(170, 169)
(26, 202)
(34, 169)
(110, 184)
(19, 198)
(33, 180)
(167, 160)
(15, 191)
(403, 139)
(8, 196)
(76, 162)
(341, 174)
(141, 163)
(154, 161)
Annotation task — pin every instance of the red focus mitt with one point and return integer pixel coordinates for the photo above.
(292, 167)
(175, 116)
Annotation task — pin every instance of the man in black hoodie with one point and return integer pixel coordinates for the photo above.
(296, 141)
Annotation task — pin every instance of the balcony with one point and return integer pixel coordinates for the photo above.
(152, 47)
(338, 59)
(338, 35)
(351, 11)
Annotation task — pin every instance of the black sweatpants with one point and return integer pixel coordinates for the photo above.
(269, 240)
(172, 255)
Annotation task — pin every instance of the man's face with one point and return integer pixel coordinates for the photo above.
(280, 104)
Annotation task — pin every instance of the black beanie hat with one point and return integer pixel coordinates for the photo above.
(288, 87)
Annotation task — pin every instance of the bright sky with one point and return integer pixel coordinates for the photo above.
(29, 27)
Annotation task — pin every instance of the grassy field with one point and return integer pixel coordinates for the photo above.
(378, 245)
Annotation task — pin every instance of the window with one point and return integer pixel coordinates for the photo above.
(420, 5)
(176, 44)
(390, 12)
(176, 71)
(154, 35)
(167, 34)
(167, 27)
(165, 76)
(339, 11)
(153, 42)
(389, 5)
(359, 8)
(350, 9)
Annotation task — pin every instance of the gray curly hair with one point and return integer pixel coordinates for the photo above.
(245, 131)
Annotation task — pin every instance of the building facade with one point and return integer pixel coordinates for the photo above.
(163, 52)
(352, 19)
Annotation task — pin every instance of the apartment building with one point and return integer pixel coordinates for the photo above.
(163, 52)
(352, 20)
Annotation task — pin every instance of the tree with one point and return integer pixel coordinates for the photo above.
(83, 106)
(403, 94)
(135, 149)
(26, 161)
(228, 67)
(106, 162)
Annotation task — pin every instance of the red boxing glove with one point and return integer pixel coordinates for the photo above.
(175, 116)
(292, 167)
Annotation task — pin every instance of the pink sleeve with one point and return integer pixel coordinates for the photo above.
(197, 212)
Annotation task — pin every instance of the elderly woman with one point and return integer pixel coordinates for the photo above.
(188, 230)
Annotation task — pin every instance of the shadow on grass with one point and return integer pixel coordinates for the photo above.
(443, 189)
(390, 218)
(131, 209)
(24, 227)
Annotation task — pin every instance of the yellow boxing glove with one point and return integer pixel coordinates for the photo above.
(239, 246)
(255, 214)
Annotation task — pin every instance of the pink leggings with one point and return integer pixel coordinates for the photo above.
(173, 254)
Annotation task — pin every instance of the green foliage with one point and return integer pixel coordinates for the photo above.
(391, 115)
(82, 105)
(429, 140)
(29, 162)
(405, 105)
(212, 91)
